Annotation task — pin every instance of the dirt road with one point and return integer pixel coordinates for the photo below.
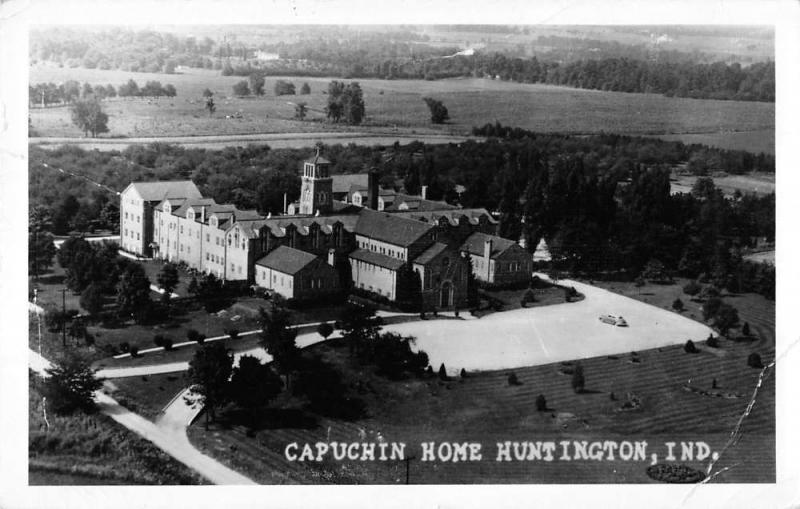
(274, 140)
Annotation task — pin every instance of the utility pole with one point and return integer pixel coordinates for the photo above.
(64, 317)
(408, 466)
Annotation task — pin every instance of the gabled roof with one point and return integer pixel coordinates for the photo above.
(287, 260)
(381, 260)
(317, 159)
(475, 244)
(431, 253)
(390, 228)
(184, 208)
(161, 190)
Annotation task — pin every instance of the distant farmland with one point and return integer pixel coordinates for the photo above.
(397, 107)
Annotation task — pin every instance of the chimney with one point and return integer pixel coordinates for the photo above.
(284, 204)
(203, 214)
(373, 189)
(332, 257)
(487, 249)
(424, 192)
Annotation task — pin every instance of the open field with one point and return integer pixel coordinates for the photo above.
(754, 141)
(148, 395)
(397, 106)
(752, 183)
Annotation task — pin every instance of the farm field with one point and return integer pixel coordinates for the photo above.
(396, 106)
(754, 141)
(752, 183)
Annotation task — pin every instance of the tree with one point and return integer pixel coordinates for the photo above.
(167, 280)
(578, 379)
(92, 299)
(541, 403)
(754, 361)
(711, 307)
(325, 329)
(305, 89)
(210, 106)
(70, 385)
(359, 325)
(41, 250)
(193, 288)
(88, 115)
(211, 293)
(207, 93)
(409, 288)
(278, 339)
(712, 341)
(677, 305)
(300, 110)
(442, 372)
(283, 87)
(169, 90)
(241, 88)
(209, 371)
(256, 82)
(345, 101)
(654, 271)
(746, 330)
(692, 288)
(253, 385)
(438, 110)
(725, 318)
(689, 347)
(133, 293)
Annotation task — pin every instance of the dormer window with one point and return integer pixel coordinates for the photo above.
(190, 215)
(213, 221)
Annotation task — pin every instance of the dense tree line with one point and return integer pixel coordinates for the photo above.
(71, 91)
(602, 202)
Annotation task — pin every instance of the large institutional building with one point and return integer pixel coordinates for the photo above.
(343, 232)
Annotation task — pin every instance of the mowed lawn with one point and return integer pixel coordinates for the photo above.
(397, 106)
(673, 389)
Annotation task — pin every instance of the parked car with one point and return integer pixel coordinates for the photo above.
(613, 320)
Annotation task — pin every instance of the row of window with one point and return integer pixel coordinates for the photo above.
(382, 250)
(138, 218)
(138, 237)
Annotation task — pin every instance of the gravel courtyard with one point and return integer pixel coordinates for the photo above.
(533, 336)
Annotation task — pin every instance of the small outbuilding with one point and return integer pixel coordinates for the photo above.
(296, 274)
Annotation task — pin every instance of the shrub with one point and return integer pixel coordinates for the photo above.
(541, 403)
(233, 333)
(677, 305)
(429, 371)
(712, 341)
(754, 361)
(158, 339)
(325, 329)
(167, 344)
(200, 339)
(513, 380)
(746, 329)
(578, 380)
(692, 288)
(689, 347)
(124, 347)
(192, 335)
(134, 350)
(442, 372)
(463, 373)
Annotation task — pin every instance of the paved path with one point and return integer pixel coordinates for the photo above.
(168, 433)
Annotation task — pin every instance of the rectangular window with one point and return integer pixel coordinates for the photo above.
(208, 237)
(181, 228)
(137, 236)
(206, 256)
(233, 268)
(126, 232)
(138, 219)
(126, 215)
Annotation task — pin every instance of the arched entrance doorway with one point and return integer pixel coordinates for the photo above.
(446, 295)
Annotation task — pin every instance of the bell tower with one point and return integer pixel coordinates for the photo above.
(316, 190)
